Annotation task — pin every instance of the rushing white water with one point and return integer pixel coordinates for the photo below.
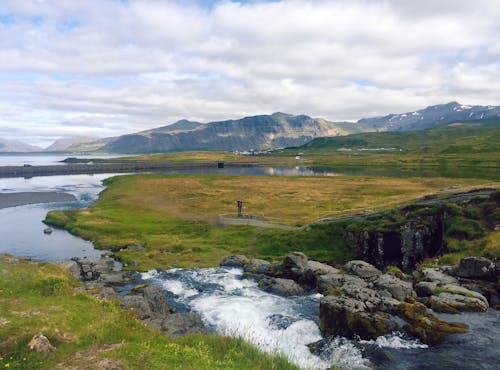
(236, 307)
(396, 341)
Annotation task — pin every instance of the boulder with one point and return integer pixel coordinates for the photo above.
(362, 269)
(478, 268)
(435, 275)
(155, 298)
(347, 317)
(455, 299)
(296, 260)
(428, 328)
(455, 303)
(318, 268)
(179, 324)
(489, 289)
(40, 343)
(115, 279)
(283, 287)
(256, 266)
(237, 260)
(425, 288)
(104, 265)
(399, 289)
(71, 267)
(138, 305)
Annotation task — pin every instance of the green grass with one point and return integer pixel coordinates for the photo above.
(38, 297)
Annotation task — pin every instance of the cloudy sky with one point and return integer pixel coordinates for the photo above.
(108, 67)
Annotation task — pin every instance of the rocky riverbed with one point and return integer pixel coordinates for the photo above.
(360, 301)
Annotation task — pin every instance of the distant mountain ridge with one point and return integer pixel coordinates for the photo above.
(17, 146)
(257, 132)
(432, 116)
(64, 144)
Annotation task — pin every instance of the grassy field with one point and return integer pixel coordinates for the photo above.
(175, 217)
(88, 333)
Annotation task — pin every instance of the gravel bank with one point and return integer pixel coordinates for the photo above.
(23, 198)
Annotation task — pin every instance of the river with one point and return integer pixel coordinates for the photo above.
(232, 305)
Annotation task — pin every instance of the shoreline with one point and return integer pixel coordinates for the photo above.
(72, 169)
(8, 200)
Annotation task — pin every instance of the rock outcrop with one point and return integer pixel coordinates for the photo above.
(428, 328)
(478, 268)
(179, 324)
(40, 343)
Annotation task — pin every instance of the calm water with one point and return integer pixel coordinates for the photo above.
(42, 159)
(21, 228)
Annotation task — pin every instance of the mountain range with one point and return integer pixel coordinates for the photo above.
(265, 131)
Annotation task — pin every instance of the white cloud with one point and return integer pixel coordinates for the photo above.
(107, 67)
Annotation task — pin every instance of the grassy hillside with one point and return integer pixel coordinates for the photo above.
(455, 150)
(89, 333)
(453, 138)
(175, 217)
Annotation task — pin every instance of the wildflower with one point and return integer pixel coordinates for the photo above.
(7, 365)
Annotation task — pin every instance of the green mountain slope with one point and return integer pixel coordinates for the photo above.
(457, 138)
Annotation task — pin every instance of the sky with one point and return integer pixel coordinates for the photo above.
(104, 68)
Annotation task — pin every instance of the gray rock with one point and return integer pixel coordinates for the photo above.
(388, 304)
(399, 289)
(362, 269)
(331, 281)
(237, 260)
(456, 303)
(437, 276)
(155, 298)
(112, 278)
(478, 268)
(138, 305)
(104, 265)
(318, 268)
(489, 289)
(347, 317)
(369, 297)
(283, 287)
(71, 267)
(425, 288)
(256, 266)
(296, 260)
(40, 343)
(179, 324)
(457, 289)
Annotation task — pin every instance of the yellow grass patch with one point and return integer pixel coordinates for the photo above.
(287, 200)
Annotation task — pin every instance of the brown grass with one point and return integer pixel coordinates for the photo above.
(287, 200)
